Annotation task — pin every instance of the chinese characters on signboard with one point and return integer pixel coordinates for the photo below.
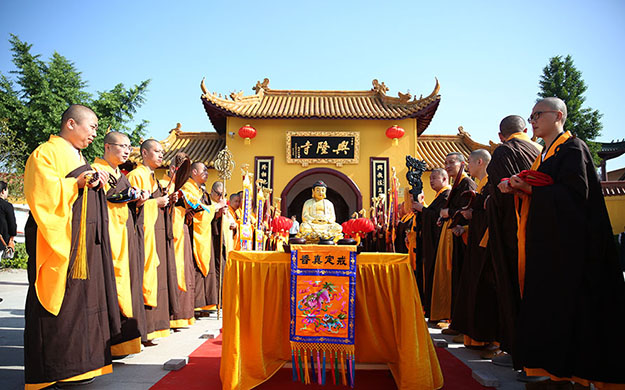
(379, 176)
(333, 147)
(263, 170)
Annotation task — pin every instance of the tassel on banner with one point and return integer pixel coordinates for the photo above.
(353, 370)
(306, 378)
(323, 372)
(293, 365)
(301, 369)
(313, 376)
(79, 268)
(308, 368)
(319, 369)
(337, 379)
(343, 377)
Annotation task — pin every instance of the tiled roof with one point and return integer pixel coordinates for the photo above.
(289, 104)
(612, 149)
(613, 188)
(200, 146)
(434, 148)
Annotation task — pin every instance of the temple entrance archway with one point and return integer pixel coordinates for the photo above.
(342, 192)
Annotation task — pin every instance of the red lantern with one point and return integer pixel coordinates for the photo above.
(281, 224)
(395, 133)
(247, 132)
(363, 225)
(348, 227)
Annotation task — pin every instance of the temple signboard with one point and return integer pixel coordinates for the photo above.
(322, 147)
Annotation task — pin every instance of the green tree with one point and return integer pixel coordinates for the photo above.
(561, 79)
(33, 102)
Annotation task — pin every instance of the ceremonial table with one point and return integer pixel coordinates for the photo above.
(389, 326)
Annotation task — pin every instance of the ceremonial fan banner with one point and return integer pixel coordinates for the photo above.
(323, 296)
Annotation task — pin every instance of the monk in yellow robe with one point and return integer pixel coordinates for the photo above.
(159, 271)
(71, 307)
(183, 255)
(127, 260)
(232, 241)
(199, 218)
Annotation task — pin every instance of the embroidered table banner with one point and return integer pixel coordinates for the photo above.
(323, 292)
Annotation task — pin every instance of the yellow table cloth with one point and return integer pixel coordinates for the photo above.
(389, 327)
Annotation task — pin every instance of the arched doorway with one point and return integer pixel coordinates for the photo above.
(342, 192)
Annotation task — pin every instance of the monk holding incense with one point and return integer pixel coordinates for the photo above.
(127, 256)
(159, 276)
(199, 217)
(72, 309)
(183, 254)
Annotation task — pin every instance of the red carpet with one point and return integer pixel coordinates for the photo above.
(202, 373)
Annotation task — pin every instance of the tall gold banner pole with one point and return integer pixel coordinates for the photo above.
(224, 164)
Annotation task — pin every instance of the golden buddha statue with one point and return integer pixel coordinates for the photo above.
(318, 218)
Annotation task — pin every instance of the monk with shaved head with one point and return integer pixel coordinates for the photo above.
(160, 281)
(516, 153)
(569, 274)
(431, 231)
(200, 215)
(127, 255)
(71, 307)
(185, 291)
(475, 311)
(450, 247)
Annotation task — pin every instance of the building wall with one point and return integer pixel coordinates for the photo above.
(616, 210)
(271, 141)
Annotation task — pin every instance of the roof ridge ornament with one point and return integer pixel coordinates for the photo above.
(378, 88)
(437, 88)
(404, 97)
(462, 132)
(203, 86)
(236, 96)
(261, 86)
(176, 129)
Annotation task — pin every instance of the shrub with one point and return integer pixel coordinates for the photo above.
(19, 260)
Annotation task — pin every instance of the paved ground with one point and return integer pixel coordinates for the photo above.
(141, 371)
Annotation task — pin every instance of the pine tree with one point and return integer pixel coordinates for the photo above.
(561, 79)
(32, 104)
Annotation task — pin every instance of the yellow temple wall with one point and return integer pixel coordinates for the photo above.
(271, 141)
(616, 210)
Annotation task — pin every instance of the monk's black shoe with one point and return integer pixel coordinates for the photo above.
(69, 384)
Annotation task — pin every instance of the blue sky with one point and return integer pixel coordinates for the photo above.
(487, 55)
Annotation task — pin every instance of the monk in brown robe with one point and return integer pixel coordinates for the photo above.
(72, 311)
(154, 228)
(127, 259)
(516, 153)
(430, 231)
(200, 214)
(183, 255)
(475, 311)
(571, 272)
(450, 252)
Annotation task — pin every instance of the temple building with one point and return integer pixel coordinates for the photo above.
(352, 140)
